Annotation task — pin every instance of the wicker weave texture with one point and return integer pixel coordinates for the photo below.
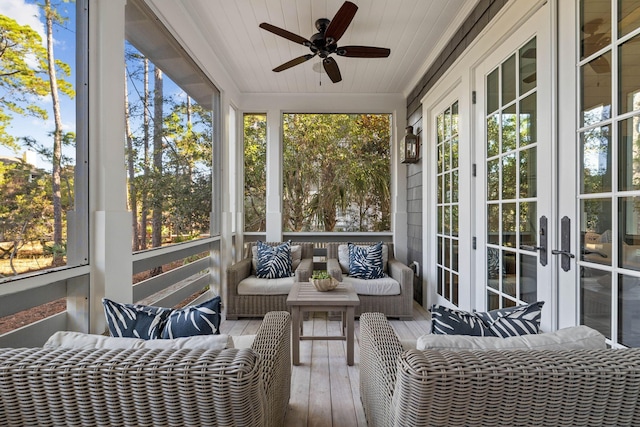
(398, 306)
(501, 388)
(146, 387)
(379, 352)
(258, 305)
(273, 344)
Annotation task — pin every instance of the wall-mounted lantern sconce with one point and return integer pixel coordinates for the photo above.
(409, 148)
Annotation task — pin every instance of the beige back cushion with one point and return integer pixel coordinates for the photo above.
(575, 337)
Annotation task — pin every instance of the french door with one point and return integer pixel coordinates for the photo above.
(515, 222)
(606, 192)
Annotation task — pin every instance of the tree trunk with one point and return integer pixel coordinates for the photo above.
(156, 220)
(144, 214)
(133, 200)
(58, 257)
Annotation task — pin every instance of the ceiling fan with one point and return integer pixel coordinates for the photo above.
(325, 42)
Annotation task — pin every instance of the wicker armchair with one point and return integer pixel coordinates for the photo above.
(231, 387)
(260, 303)
(399, 306)
(492, 387)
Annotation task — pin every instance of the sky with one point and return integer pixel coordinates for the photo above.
(26, 12)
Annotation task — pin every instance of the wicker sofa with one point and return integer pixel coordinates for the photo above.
(143, 387)
(591, 387)
(260, 302)
(399, 306)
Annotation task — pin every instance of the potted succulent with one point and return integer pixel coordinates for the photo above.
(323, 281)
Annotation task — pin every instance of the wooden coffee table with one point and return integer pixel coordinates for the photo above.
(304, 297)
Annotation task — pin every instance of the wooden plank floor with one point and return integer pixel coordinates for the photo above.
(324, 390)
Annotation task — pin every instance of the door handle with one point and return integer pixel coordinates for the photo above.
(543, 242)
(565, 244)
(566, 253)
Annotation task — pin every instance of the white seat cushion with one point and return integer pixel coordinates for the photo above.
(575, 337)
(253, 285)
(382, 286)
(71, 339)
(243, 341)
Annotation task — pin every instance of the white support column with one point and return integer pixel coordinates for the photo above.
(274, 176)
(399, 186)
(239, 184)
(110, 231)
(227, 176)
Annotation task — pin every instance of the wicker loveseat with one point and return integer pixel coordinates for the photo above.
(590, 387)
(144, 387)
(272, 296)
(398, 305)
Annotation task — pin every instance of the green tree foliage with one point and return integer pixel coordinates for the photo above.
(336, 172)
(188, 136)
(25, 208)
(255, 180)
(171, 168)
(23, 71)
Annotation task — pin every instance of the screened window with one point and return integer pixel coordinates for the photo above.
(42, 193)
(169, 136)
(336, 172)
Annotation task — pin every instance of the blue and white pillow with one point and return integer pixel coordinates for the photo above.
(203, 319)
(449, 321)
(514, 321)
(135, 320)
(148, 322)
(504, 323)
(274, 262)
(366, 262)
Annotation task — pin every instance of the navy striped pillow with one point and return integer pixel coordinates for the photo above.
(365, 262)
(503, 323)
(148, 322)
(134, 320)
(514, 321)
(274, 262)
(449, 321)
(202, 319)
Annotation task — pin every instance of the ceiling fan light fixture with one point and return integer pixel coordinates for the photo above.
(325, 42)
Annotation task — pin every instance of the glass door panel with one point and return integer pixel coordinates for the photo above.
(511, 170)
(448, 203)
(609, 140)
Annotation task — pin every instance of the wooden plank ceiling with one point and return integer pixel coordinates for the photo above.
(414, 30)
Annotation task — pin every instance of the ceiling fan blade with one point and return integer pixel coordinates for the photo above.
(363, 52)
(284, 33)
(341, 21)
(331, 67)
(293, 62)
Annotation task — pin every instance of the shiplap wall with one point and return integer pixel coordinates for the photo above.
(469, 30)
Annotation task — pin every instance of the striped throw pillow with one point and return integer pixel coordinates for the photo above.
(366, 262)
(274, 262)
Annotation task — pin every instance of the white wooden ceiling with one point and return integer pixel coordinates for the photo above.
(414, 30)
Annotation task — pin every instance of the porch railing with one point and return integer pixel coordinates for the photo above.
(166, 289)
(199, 269)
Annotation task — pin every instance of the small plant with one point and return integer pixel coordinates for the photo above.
(320, 274)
